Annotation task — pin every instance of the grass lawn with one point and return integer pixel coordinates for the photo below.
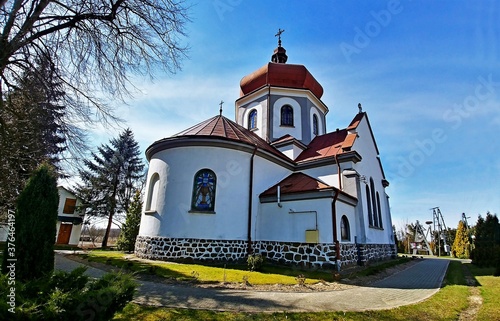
(490, 291)
(231, 273)
(204, 273)
(447, 304)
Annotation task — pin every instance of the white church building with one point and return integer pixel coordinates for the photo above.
(272, 182)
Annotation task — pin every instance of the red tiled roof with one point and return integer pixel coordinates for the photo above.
(323, 146)
(355, 122)
(283, 139)
(296, 183)
(222, 127)
(281, 75)
(331, 144)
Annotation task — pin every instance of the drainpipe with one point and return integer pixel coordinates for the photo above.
(338, 169)
(250, 201)
(268, 135)
(278, 195)
(334, 227)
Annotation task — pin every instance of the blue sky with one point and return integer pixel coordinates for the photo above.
(426, 72)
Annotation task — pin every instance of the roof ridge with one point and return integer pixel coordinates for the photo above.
(230, 125)
(202, 125)
(218, 118)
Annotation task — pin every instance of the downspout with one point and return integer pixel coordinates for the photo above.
(250, 201)
(334, 214)
(334, 227)
(338, 168)
(268, 139)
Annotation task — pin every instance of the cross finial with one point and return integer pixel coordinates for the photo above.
(360, 108)
(220, 110)
(279, 36)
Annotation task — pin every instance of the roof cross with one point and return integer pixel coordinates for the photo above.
(279, 36)
(220, 110)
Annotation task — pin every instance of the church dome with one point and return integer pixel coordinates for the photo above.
(281, 75)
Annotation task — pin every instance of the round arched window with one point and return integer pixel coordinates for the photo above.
(286, 115)
(252, 119)
(345, 233)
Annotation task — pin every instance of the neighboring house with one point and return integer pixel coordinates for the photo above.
(273, 182)
(69, 218)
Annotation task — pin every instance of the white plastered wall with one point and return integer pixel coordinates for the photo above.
(289, 222)
(176, 168)
(368, 168)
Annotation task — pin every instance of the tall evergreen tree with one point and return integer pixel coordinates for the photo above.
(461, 244)
(487, 241)
(35, 226)
(111, 178)
(130, 229)
(34, 130)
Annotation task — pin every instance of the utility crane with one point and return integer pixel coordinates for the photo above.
(441, 230)
(421, 236)
(464, 219)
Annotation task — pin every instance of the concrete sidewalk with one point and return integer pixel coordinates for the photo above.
(415, 284)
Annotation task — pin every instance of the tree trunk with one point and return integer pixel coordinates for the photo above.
(108, 229)
(111, 211)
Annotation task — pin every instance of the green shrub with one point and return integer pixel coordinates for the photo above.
(130, 229)
(255, 262)
(34, 231)
(68, 296)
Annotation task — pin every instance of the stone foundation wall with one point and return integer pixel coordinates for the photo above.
(164, 248)
(348, 254)
(301, 254)
(375, 252)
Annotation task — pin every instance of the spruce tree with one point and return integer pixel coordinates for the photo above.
(35, 226)
(130, 229)
(487, 242)
(461, 244)
(35, 129)
(111, 179)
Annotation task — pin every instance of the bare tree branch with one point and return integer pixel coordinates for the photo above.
(96, 44)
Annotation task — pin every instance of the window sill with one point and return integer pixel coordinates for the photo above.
(150, 212)
(376, 227)
(253, 129)
(201, 212)
(289, 126)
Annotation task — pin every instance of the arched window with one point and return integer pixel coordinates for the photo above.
(252, 119)
(369, 205)
(154, 186)
(204, 185)
(374, 203)
(315, 125)
(379, 212)
(345, 232)
(286, 115)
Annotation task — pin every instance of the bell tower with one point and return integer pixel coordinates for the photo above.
(282, 100)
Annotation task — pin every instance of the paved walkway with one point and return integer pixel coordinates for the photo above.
(409, 286)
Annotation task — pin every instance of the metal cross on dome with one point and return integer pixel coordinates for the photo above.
(279, 36)
(220, 110)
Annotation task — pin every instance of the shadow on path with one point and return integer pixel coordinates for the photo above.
(415, 284)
